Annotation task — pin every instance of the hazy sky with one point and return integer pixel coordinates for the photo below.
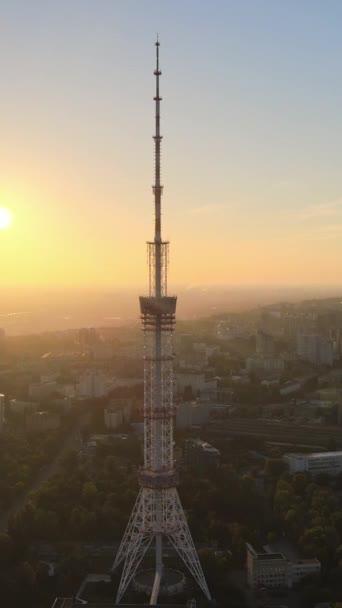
(252, 149)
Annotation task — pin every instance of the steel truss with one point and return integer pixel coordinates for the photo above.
(157, 513)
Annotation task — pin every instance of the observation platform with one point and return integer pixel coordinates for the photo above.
(153, 306)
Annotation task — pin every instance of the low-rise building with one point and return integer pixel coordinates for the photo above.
(124, 404)
(118, 411)
(265, 365)
(16, 406)
(192, 414)
(301, 568)
(200, 454)
(266, 569)
(275, 571)
(290, 388)
(113, 418)
(38, 391)
(321, 462)
(43, 421)
(197, 383)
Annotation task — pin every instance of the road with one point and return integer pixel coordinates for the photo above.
(71, 441)
(276, 431)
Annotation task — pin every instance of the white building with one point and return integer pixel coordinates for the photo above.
(266, 569)
(274, 570)
(322, 462)
(301, 568)
(315, 349)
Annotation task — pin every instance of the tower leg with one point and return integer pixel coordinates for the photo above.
(133, 545)
(184, 545)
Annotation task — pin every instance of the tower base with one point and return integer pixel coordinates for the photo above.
(173, 582)
(157, 513)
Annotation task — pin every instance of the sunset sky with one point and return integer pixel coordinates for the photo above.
(251, 155)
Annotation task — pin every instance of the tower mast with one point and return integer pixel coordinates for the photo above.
(157, 513)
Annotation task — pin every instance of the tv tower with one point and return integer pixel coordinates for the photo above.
(157, 514)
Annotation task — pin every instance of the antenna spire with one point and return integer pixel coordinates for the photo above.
(157, 188)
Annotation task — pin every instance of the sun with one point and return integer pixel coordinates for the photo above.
(5, 218)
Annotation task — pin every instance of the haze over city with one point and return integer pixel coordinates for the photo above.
(252, 153)
(170, 362)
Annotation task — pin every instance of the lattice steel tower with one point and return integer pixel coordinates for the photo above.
(157, 513)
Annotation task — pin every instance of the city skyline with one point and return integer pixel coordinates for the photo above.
(203, 467)
(252, 159)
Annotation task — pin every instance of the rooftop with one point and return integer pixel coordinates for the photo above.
(315, 454)
(204, 445)
(268, 556)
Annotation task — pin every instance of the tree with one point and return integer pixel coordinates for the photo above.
(275, 467)
(21, 525)
(6, 549)
(26, 576)
(89, 492)
(323, 479)
(74, 566)
(299, 482)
